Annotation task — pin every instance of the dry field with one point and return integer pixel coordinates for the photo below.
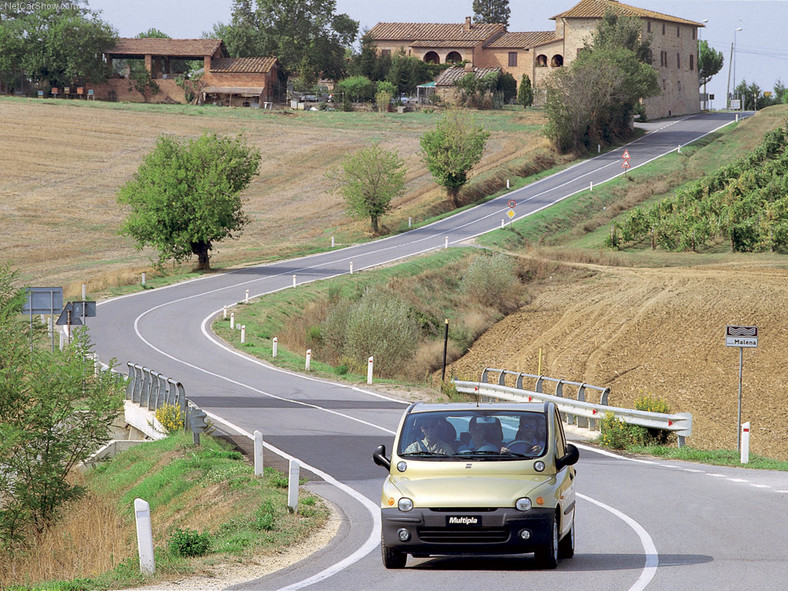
(64, 163)
(659, 332)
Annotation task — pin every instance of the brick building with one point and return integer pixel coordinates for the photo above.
(248, 81)
(674, 46)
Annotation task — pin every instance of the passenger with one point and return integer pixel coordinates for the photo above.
(478, 440)
(431, 442)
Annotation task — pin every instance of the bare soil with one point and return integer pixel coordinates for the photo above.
(658, 332)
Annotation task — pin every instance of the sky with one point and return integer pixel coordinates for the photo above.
(761, 54)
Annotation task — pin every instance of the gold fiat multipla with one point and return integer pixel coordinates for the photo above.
(479, 478)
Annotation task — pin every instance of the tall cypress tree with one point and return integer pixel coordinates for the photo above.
(491, 11)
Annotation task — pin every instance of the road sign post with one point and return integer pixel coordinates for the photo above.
(741, 337)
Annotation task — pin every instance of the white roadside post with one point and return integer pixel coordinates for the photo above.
(370, 365)
(292, 485)
(224, 313)
(143, 280)
(308, 359)
(446, 242)
(258, 453)
(745, 443)
(294, 280)
(351, 267)
(243, 334)
(275, 346)
(232, 320)
(246, 297)
(144, 537)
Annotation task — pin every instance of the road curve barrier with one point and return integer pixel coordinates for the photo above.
(150, 389)
(578, 411)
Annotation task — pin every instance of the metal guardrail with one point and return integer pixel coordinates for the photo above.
(152, 390)
(579, 412)
(558, 390)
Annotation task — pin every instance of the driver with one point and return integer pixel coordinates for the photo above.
(431, 442)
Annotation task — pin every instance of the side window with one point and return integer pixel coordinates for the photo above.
(560, 438)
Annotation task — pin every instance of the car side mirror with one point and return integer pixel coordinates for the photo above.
(379, 457)
(569, 459)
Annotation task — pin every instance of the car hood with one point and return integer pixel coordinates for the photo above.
(467, 491)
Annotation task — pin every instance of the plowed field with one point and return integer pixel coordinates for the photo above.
(659, 332)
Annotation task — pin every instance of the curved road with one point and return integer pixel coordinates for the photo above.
(639, 524)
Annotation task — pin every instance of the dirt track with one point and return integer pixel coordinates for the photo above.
(659, 332)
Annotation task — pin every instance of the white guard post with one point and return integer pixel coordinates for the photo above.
(745, 443)
(292, 485)
(258, 453)
(144, 536)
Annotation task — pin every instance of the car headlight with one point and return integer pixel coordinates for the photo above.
(405, 504)
(539, 466)
(523, 504)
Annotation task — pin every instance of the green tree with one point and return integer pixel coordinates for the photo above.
(491, 11)
(54, 413)
(452, 149)
(186, 196)
(525, 93)
(594, 99)
(357, 88)
(369, 180)
(407, 72)
(710, 62)
(57, 43)
(308, 37)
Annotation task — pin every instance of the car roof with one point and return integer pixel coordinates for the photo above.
(422, 407)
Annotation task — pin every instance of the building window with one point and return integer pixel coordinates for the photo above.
(648, 26)
(663, 59)
(678, 31)
(663, 28)
(385, 53)
(512, 59)
(692, 62)
(541, 61)
(679, 85)
(557, 61)
(678, 61)
(694, 31)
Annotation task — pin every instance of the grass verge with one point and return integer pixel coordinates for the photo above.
(719, 457)
(210, 489)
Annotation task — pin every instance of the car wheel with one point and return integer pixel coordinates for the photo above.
(566, 547)
(392, 558)
(547, 556)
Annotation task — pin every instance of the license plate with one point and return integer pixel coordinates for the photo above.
(464, 521)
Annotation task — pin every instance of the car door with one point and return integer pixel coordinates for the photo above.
(565, 477)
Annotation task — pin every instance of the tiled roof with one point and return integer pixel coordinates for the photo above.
(170, 47)
(445, 44)
(451, 75)
(242, 90)
(252, 65)
(598, 8)
(522, 40)
(434, 31)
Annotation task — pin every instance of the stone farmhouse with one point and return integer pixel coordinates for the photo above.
(674, 48)
(249, 81)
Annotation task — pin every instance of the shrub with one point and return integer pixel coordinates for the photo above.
(170, 417)
(654, 436)
(492, 281)
(188, 543)
(265, 517)
(617, 434)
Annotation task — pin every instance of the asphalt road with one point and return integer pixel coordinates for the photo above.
(640, 525)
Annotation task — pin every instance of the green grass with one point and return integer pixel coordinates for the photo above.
(720, 457)
(179, 480)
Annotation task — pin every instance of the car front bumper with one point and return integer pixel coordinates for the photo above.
(467, 531)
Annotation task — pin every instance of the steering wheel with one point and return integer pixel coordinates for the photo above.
(519, 446)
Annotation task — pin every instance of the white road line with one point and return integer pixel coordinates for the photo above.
(652, 556)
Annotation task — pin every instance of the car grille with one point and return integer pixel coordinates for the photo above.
(442, 535)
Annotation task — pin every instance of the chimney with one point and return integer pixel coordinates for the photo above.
(467, 23)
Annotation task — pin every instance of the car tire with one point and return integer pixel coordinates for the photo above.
(566, 547)
(392, 558)
(547, 556)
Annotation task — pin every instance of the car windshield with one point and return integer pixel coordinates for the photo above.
(478, 434)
